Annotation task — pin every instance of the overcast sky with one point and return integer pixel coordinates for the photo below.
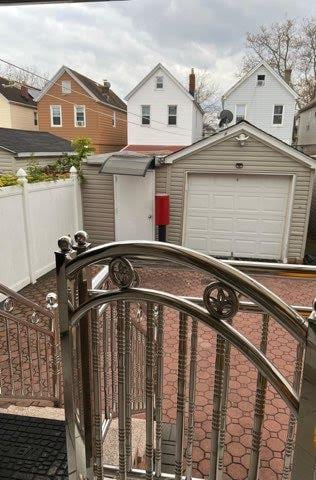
(123, 41)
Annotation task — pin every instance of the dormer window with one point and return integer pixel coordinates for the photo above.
(66, 87)
(261, 80)
(159, 83)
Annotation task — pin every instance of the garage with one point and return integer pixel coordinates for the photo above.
(237, 215)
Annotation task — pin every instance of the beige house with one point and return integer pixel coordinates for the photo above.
(18, 108)
(240, 193)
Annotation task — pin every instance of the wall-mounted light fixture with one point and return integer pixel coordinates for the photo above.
(242, 139)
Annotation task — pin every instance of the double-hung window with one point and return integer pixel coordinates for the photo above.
(159, 83)
(240, 112)
(278, 114)
(261, 80)
(35, 118)
(80, 116)
(145, 114)
(55, 116)
(66, 87)
(172, 114)
(114, 119)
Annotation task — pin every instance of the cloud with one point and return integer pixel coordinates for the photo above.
(122, 41)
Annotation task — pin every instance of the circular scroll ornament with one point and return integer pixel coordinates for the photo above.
(221, 301)
(8, 305)
(122, 272)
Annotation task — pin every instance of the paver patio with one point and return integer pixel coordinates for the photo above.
(242, 384)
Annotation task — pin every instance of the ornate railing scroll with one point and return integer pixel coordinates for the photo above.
(216, 311)
(29, 349)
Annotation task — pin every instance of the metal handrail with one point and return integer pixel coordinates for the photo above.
(25, 301)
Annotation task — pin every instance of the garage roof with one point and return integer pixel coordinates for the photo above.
(250, 129)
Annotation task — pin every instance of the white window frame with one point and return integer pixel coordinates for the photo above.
(172, 115)
(282, 115)
(264, 81)
(114, 119)
(245, 114)
(67, 90)
(142, 116)
(35, 118)
(75, 116)
(160, 83)
(51, 116)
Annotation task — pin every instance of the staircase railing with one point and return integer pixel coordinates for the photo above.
(217, 311)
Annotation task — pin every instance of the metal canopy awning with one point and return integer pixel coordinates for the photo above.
(126, 163)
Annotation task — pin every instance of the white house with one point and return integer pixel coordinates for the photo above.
(264, 99)
(163, 115)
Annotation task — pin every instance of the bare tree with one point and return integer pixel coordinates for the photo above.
(286, 45)
(207, 95)
(30, 76)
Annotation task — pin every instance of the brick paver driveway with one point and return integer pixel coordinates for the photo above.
(281, 350)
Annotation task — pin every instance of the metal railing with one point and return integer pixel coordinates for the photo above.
(216, 311)
(29, 349)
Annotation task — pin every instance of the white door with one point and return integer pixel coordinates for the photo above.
(237, 215)
(134, 206)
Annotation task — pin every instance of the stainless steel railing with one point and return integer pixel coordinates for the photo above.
(216, 311)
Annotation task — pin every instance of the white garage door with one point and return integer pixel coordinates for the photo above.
(237, 215)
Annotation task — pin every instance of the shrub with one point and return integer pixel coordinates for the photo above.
(8, 179)
(82, 147)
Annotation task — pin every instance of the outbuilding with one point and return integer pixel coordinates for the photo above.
(240, 193)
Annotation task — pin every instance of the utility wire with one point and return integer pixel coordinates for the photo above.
(88, 96)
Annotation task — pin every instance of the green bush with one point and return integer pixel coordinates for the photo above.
(8, 179)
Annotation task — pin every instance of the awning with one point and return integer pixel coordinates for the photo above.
(126, 163)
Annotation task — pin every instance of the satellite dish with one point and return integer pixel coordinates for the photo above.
(225, 117)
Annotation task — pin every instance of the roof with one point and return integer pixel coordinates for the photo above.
(308, 106)
(153, 149)
(13, 93)
(250, 129)
(125, 163)
(26, 143)
(94, 89)
(251, 72)
(159, 66)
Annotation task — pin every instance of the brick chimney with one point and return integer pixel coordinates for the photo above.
(287, 75)
(24, 92)
(192, 83)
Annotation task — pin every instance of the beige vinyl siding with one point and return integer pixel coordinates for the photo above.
(22, 117)
(5, 113)
(257, 158)
(6, 161)
(98, 205)
(161, 179)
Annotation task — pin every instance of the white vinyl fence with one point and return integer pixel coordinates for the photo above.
(32, 217)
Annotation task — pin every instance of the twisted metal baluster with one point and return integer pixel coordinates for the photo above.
(192, 383)
(159, 393)
(215, 472)
(128, 379)
(289, 446)
(121, 389)
(182, 359)
(97, 409)
(149, 391)
(106, 364)
(259, 407)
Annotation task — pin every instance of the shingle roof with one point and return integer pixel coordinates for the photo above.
(98, 91)
(308, 106)
(22, 141)
(14, 94)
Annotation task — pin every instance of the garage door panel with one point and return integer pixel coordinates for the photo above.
(243, 215)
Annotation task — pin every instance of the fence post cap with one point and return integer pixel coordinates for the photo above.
(22, 175)
(73, 170)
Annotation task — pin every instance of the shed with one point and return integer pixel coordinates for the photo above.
(240, 193)
(18, 147)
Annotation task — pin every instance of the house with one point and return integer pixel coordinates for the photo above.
(306, 128)
(18, 109)
(163, 116)
(72, 105)
(264, 99)
(19, 147)
(239, 193)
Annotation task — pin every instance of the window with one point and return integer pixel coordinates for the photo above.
(145, 114)
(261, 80)
(80, 116)
(159, 83)
(66, 87)
(278, 115)
(240, 112)
(35, 118)
(55, 116)
(172, 114)
(114, 119)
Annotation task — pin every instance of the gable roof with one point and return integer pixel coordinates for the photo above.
(26, 142)
(311, 104)
(159, 66)
(94, 89)
(275, 75)
(14, 94)
(252, 130)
